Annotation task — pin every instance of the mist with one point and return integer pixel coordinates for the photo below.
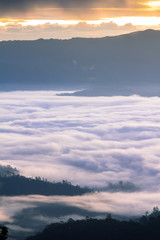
(29, 214)
(84, 140)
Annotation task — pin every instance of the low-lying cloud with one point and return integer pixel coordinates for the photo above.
(16, 31)
(28, 214)
(88, 141)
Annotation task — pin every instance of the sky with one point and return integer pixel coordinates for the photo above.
(63, 19)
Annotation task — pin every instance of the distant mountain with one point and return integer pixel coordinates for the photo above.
(121, 65)
(20, 185)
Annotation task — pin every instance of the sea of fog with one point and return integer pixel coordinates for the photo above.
(89, 141)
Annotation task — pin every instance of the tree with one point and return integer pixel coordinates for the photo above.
(155, 212)
(3, 233)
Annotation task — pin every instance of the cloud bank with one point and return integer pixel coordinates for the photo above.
(88, 141)
(16, 31)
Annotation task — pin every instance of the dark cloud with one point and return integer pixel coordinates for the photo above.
(48, 210)
(87, 165)
(24, 5)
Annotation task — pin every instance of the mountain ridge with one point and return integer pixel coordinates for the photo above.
(149, 30)
(122, 65)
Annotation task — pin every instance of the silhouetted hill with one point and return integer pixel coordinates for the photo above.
(20, 185)
(109, 229)
(120, 65)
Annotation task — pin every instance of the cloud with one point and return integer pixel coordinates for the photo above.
(23, 5)
(17, 31)
(32, 213)
(88, 141)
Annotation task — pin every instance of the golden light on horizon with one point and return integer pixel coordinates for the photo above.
(154, 4)
(37, 22)
(120, 21)
(136, 21)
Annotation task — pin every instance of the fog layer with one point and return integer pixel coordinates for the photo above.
(88, 141)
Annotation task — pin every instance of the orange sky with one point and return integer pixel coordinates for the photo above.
(74, 18)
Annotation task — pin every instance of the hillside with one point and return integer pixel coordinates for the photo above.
(20, 185)
(121, 65)
(144, 228)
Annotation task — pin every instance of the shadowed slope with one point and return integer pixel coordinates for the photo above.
(121, 65)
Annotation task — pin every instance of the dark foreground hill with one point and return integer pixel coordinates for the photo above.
(108, 229)
(20, 185)
(121, 65)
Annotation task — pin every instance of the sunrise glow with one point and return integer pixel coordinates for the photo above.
(136, 21)
(154, 4)
(120, 21)
(89, 19)
(41, 22)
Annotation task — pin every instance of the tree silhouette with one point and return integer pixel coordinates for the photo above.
(145, 228)
(3, 233)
